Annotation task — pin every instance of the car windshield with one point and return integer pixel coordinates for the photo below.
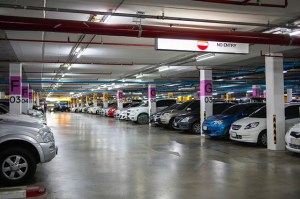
(234, 109)
(260, 113)
(135, 105)
(144, 104)
(182, 106)
(171, 107)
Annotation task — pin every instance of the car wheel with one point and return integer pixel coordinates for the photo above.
(196, 128)
(170, 125)
(262, 139)
(17, 166)
(143, 119)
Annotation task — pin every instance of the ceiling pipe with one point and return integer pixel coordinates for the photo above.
(84, 63)
(247, 3)
(75, 42)
(68, 26)
(157, 17)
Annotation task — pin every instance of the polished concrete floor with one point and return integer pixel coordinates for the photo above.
(103, 158)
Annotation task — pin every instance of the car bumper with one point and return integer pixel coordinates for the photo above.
(184, 126)
(49, 151)
(133, 117)
(214, 131)
(165, 120)
(244, 136)
(292, 148)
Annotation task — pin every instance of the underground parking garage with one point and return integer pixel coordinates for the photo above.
(153, 99)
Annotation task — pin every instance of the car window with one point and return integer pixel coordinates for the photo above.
(234, 109)
(260, 113)
(220, 107)
(169, 102)
(195, 105)
(251, 109)
(183, 106)
(2, 110)
(292, 112)
(160, 103)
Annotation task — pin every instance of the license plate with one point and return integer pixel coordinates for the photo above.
(295, 141)
(204, 128)
(233, 134)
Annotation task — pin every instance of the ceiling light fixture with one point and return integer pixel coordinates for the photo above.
(139, 76)
(77, 50)
(79, 54)
(205, 56)
(285, 71)
(69, 67)
(62, 75)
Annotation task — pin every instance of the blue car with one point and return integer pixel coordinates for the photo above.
(219, 125)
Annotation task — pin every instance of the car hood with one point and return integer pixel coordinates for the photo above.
(21, 118)
(248, 120)
(219, 117)
(189, 114)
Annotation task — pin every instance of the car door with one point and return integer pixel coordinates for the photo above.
(292, 116)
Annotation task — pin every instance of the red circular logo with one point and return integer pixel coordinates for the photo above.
(202, 45)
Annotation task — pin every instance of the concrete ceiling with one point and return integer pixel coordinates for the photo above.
(107, 62)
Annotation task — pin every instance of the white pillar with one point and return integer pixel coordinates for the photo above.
(2, 95)
(275, 102)
(152, 98)
(255, 90)
(105, 100)
(265, 94)
(77, 102)
(289, 93)
(15, 88)
(120, 99)
(25, 95)
(95, 99)
(206, 99)
(37, 98)
(30, 97)
(197, 95)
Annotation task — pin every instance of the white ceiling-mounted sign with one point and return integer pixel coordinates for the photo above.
(201, 46)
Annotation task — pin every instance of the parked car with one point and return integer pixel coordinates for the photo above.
(155, 118)
(22, 146)
(219, 125)
(168, 117)
(75, 109)
(253, 129)
(104, 111)
(111, 112)
(292, 139)
(191, 121)
(140, 114)
(117, 113)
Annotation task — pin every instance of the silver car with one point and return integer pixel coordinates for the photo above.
(22, 146)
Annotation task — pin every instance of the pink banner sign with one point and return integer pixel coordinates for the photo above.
(15, 83)
(256, 92)
(206, 88)
(25, 92)
(152, 93)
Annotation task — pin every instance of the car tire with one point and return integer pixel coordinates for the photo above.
(262, 139)
(143, 118)
(196, 128)
(170, 125)
(23, 163)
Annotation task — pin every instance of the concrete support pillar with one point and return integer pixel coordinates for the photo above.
(30, 98)
(37, 98)
(206, 99)
(15, 88)
(228, 96)
(275, 102)
(105, 100)
(120, 99)
(87, 101)
(289, 93)
(197, 95)
(256, 91)
(152, 98)
(265, 94)
(25, 97)
(95, 99)
(77, 103)
(2, 95)
(82, 102)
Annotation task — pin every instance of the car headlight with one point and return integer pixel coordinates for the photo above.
(46, 136)
(186, 119)
(252, 125)
(218, 122)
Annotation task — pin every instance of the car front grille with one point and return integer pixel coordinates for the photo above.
(294, 146)
(236, 127)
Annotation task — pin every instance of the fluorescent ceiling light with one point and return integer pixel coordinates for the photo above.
(62, 75)
(77, 50)
(230, 92)
(249, 91)
(205, 56)
(71, 93)
(139, 76)
(285, 71)
(215, 93)
(79, 54)
(69, 67)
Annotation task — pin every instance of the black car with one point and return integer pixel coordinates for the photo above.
(191, 121)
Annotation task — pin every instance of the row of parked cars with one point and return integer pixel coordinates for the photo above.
(244, 122)
(25, 141)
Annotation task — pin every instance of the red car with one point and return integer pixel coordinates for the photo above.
(111, 111)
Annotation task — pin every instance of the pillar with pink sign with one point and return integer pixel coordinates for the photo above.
(30, 98)
(152, 98)
(25, 97)
(206, 97)
(255, 90)
(15, 88)
(120, 99)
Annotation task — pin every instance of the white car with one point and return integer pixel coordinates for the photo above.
(253, 129)
(292, 139)
(34, 112)
(123, 115)
(117, 113)
(75, 110)
(141, 114)
(94, 110)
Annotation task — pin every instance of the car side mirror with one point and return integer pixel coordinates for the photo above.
(188, 109)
